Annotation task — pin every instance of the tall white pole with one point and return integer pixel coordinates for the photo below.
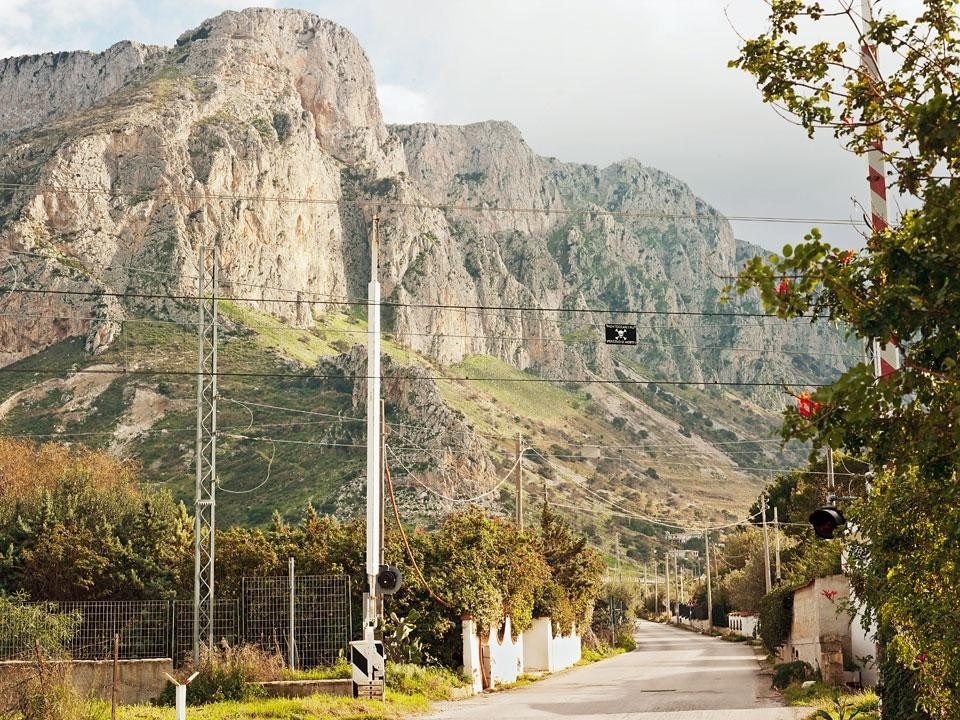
(373, 434)
(706, 550)
(766, 548)
(776, 535)
(666, 583)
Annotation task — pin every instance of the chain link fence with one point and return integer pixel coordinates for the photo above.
(143, 627)
(226, 627)
(321, 627)
(321, 622)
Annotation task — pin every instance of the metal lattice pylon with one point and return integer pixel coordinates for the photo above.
(206, 452)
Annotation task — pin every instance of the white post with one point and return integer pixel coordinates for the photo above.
(766, 547)
(776, 535)
(180, 701)
(291, 640)
(373, 435)
(666, 584)
(706, 550)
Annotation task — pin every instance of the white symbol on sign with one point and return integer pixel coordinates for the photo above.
(621, 333)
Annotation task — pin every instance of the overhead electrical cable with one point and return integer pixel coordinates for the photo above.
(406, 543)
(426, 487)
(412, 378)
(443, 207)
(397, 304)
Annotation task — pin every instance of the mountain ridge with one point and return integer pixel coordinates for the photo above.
(260, 133)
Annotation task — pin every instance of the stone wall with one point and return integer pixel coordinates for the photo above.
(820, 632)
(138, 681)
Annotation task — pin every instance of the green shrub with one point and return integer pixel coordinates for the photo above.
(625, 640)
(787, 673)
(339, 670)
(436, 683)
(228, 673)
(776, 616)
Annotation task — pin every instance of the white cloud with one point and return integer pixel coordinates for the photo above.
(15, 24)
(402, 105)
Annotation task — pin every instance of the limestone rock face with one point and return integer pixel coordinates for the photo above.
(41, 88)
(260, 132)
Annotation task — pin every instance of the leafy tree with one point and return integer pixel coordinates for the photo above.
(744, 583)
(575, 573)
(76, 525)
(903, 289)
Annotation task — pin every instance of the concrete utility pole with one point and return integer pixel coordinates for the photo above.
(520, 481)
(383, 477)
(373, 435)
(776, 537)
(682, 596)
(656, 586)
(666, 584)
(619, 565)
(706, 551)
(676, 579)
(766, 547)
(205, 496)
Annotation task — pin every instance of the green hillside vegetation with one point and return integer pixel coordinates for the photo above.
(288, 439)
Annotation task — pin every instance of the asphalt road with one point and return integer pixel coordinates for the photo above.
(672, 675)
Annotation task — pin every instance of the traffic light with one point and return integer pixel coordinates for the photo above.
(825, 520)
(389, 580)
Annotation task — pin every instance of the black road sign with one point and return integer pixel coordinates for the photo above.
(621, 334)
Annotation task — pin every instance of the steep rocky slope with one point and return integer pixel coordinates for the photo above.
(260, 132)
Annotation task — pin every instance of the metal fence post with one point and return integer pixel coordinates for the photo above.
(291, 650)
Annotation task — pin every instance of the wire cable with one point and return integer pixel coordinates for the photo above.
(406, 543)
(159, 192)
(484, 494)
(413, 378)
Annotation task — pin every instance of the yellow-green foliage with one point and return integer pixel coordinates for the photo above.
(332, 334)
(292, 342)
(436, 683)
(512, 388)
(316, 706)
(826, 701)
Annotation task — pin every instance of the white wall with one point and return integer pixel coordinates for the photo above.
(863, 645)
(493, 660)
(567, 651)
(745, 625)
(471, 654)
(537, 645)
(504, 655)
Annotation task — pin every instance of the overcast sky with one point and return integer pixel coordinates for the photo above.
(591, 82)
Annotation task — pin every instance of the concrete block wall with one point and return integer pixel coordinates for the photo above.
(138, 681)
(745, 625)
(504, 655)
(496, 657)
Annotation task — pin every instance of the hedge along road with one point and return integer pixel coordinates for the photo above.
(672, 675)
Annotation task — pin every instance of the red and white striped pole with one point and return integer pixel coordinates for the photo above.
(886, 356)
(876, 174)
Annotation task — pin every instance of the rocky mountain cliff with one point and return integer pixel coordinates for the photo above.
(260, 132)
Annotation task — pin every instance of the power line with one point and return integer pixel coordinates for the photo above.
(426, 487)
(358, 300)
(383, 203)
(415, 378)
(390, 303)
